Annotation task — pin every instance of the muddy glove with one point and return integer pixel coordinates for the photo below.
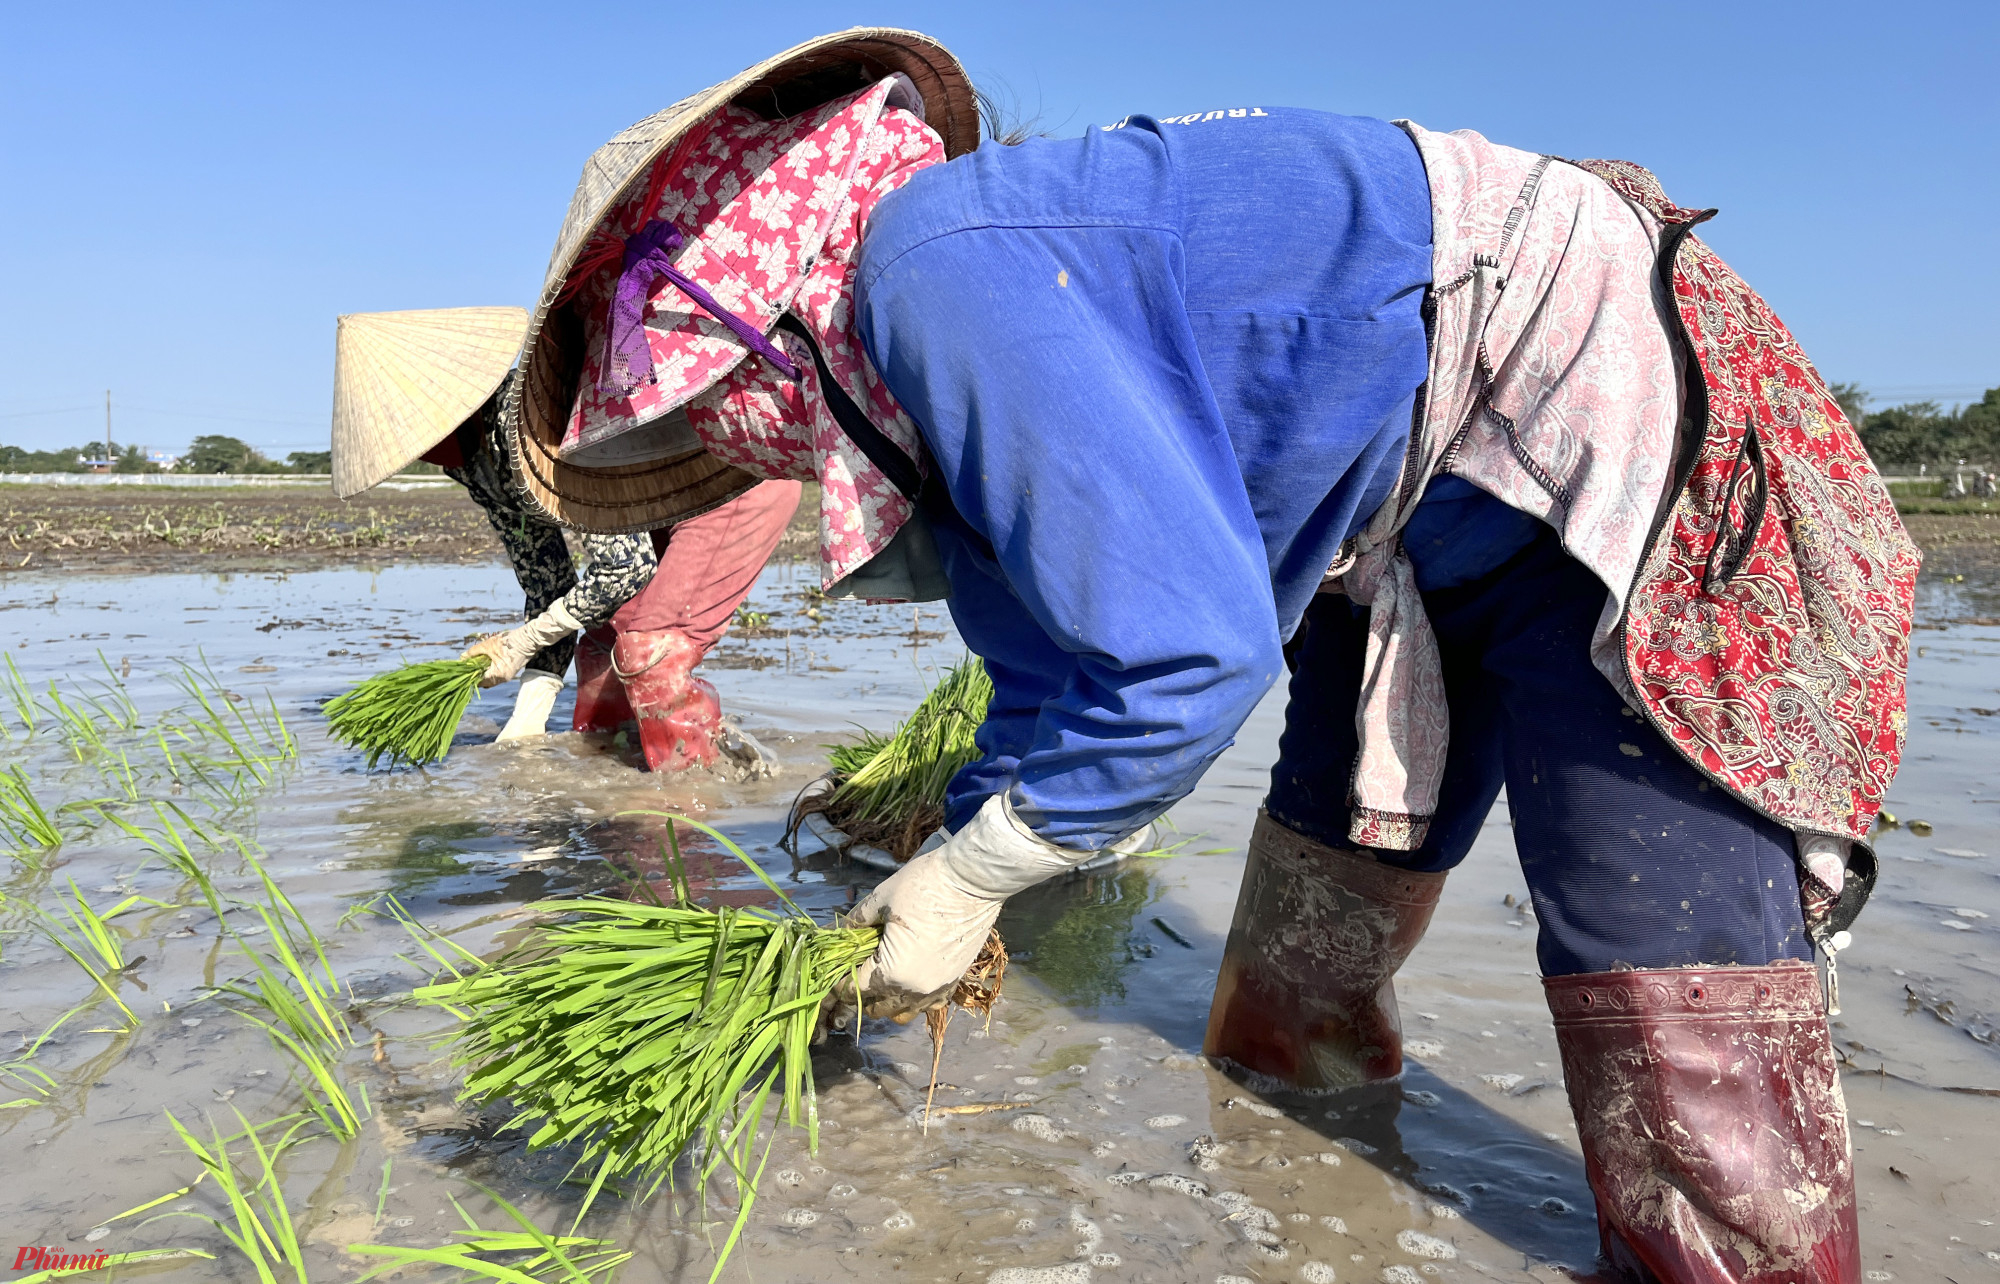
(511, 651)
(935, 911)
(533, 705)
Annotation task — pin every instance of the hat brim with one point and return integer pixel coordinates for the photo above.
(647, 496)
(402, 381)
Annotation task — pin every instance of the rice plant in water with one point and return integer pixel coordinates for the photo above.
(23, 699)
(92, 943)
(252, 741)
(258, 1223)
(19, 1069)
(631, 1031)
(294, 988)
(80, 729)
(27, 825)
(574, 1258)
(410, 713)
(888, 791)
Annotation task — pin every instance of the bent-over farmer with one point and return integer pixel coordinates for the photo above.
(649, 604)
(1523, 485)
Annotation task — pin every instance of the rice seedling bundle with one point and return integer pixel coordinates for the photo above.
(410, 713)
(632, 1030)
(888, 791)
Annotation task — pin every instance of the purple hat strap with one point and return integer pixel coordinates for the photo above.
(628, 355)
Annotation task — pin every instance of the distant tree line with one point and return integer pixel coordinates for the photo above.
(1924, 433)
(208, 454)
(1898, 437)
(125, 459)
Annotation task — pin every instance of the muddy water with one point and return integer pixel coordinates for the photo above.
(1123, 1157)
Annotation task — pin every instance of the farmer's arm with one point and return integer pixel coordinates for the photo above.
(615, 569)
(536, 552)
(1128, 602)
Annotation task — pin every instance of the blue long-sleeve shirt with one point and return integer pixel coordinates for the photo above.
(1163, 370)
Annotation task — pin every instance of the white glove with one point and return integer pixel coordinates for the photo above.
(533, 705)
(936, 911)
(511, 651)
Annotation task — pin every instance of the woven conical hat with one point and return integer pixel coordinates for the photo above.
(402, 381)
(645, 496)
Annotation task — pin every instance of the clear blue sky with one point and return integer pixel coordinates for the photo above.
(189, 194)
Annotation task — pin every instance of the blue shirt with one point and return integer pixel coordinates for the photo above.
(1162, 370)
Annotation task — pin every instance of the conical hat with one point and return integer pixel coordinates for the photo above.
(402, 381)
(641, 497)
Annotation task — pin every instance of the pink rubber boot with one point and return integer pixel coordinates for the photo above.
(601, 704)
(679, 715)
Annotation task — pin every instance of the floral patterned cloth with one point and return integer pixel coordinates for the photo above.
(772, 212)
(616, 566)
(1758, 613)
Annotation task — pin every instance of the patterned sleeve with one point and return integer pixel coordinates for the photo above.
(542, 567)
(535, 549)
(615, 569)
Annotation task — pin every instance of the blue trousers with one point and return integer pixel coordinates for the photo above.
(1633, 858)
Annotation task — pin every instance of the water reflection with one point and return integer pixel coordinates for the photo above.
(1077, 937)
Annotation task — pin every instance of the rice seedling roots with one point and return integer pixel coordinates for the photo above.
(888, 791)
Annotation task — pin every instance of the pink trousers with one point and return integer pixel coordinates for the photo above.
(639, 666)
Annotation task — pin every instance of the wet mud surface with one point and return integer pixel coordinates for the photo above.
(1087, 1139)
(123, 529)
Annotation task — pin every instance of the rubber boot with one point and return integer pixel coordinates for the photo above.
(600, 697)
(1714, 1131)
(680, 715)
(1305, 996)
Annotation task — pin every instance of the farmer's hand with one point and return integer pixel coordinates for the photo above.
(935, 911)
(510, 652)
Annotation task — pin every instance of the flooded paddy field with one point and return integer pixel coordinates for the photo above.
(1086, 1139)
(258, 527)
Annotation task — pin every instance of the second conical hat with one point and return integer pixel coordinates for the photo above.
(402, 381)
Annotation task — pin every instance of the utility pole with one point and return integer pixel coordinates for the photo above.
(107, 426)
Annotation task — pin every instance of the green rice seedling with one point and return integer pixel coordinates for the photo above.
(20, 1070)
(22, 698)
(253, 740)
(301, 1004)
(124, 777)
(409, 713)
(93, 931)
(121, 712)
(92, 943)
(80, 730)
(27, 825)
(259, 1223)
(17, 1071)
(170, 843)
(631, 1031)
(459, 961)
(888, 791)
(536, 1256)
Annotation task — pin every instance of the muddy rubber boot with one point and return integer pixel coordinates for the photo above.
(1305, 996)
(680, 715)
(1714, 1131)
(600, 697)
